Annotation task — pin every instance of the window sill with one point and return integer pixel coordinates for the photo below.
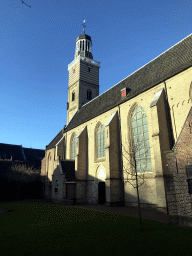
(147, 175)
(100, 159)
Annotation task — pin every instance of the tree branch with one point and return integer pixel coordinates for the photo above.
(25, 3)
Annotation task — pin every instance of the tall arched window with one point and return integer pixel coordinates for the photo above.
(73, 146)
(100, 140)
(141, 140)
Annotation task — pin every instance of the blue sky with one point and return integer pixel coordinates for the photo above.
(38, 43)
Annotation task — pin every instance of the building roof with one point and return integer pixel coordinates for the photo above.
(168, 64)
(34, 155)
(83, 36)
(7, 151)
(18, 153)
(55, 140)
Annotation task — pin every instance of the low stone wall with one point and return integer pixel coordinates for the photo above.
(180, 221)
(179, 200)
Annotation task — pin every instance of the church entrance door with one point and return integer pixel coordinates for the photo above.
(70, 190)
(101, 193)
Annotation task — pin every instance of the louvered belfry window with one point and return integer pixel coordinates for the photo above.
(140, 137)
(73, 96)
(73, 147)
(89, 95)
(101, 141)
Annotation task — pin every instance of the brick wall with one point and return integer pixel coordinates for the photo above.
(179, 200)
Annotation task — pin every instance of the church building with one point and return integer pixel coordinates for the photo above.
(118, 141)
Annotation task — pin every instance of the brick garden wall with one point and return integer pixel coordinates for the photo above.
(179, 200)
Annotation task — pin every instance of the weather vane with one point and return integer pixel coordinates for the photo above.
(84, 26)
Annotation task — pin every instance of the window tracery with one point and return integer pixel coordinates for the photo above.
(100, 141)
(140, 138)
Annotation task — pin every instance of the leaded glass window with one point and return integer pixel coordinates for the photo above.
(141, 140)
(100, 141)
(73, 147)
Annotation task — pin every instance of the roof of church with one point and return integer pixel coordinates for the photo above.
(55, 140)
(171, 62)
(83, 36)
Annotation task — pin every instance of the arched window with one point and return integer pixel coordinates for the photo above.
(73, 146)
(141, 145)
(89, 95)
(100, 140)
(73, 96)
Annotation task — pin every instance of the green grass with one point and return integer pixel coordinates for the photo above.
(35, 227)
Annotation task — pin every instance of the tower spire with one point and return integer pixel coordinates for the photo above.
(84, 27)
(83, 75)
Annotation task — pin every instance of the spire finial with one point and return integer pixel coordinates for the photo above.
(84, 26)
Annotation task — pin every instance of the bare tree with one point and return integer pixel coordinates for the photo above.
(23, 173)
(23, 168)
(136, 152)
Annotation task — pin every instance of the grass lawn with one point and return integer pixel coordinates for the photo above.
(35, 227)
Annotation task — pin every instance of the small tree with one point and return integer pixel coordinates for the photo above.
(134, 153)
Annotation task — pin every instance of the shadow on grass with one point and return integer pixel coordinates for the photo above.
(35, 227)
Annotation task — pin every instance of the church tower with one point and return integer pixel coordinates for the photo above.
(83, 76)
